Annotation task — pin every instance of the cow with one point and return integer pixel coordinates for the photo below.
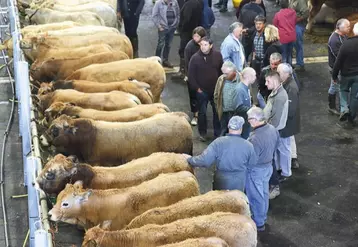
(45, 15)
(136, 113)
(235, 229)
(233, 201)
(148, 70)
(199, 242)
(48, 27)
(38, 3)
(91, 207)
(114, 100)
(59, 69)
(109, 143)
(61, 170)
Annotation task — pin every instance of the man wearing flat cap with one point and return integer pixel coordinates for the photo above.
(232, 155)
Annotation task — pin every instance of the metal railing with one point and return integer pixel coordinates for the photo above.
(39, 227)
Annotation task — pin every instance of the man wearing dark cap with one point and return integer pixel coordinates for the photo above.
(232, 155)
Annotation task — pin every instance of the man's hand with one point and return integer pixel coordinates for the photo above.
(335, 81)
(119, 16)
(161, 29)
(199, 90)
(186, 156)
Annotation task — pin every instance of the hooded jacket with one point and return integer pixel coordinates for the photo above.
(190, 16)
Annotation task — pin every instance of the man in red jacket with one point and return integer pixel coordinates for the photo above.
(285, 21)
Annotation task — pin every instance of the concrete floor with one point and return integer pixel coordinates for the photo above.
(317, 207)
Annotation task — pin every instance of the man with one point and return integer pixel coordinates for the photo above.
(275, 60)
(292, 127)
(232, 49)
(208, 17)
(347, 64)
(232, 155)
(302, 11)
(165, 16)
(264, 137)
(259, 44)
(243, 3)
(191, 48)
(130, 11)
(276, 111)
(190, 18)
(335, 42)
(247, 16)
(285, 21)
(203, 73)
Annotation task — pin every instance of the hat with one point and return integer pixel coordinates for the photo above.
(236, 123)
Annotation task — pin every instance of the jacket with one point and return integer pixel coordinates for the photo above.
(204, 71)
(285, 21)
(232, 50)
(276, 109)
(190, 49)
(293, 118)
(190, 16)
(130, 7)
(335, 42)
(347, 59)
(159, 13)
(244, 2)
(208, 17)
(302, 10)
(248, 13)
(272, 48)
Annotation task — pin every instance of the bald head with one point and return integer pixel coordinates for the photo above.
(248, 76)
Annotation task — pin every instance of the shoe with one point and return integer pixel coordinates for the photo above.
(202, 138)
(176, 33)
(282, 179)
(194, 121)
(294, 163)
(299, 68)
(344, 116)
(167, 64)
(334, 111)
(218, 5)
(332, 105)
(261, 228)
(274, 192)
(223, 10)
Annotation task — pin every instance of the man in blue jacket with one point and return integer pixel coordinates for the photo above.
(232, 155)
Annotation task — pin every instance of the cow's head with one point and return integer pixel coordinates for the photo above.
(45, 88)
(59, 132)
(56, 109)
(57, 173)
(69, 203)
(95, 234)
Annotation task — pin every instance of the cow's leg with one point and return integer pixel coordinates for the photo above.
(316, 6)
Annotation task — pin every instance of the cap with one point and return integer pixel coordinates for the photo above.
(236, 123)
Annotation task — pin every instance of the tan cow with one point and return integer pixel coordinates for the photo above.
(61, 170)
(114, 100)
(59, 69)
(136, 113)
(199, 242)
(148, 70)
(235, 229)
(38, 3)
(109, 143)
(233, 201)
(91, 207)
(48, 27)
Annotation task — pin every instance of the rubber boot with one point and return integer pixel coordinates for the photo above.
(332, 105)
(134, 42)
(180, 75)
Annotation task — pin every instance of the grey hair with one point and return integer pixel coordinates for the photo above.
(235, 25)
(355, 29)
(229, 66)
(256, 113)
(276, 56)
(341, 22)
(286, 67)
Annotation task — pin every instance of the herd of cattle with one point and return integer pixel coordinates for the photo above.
(118, 169)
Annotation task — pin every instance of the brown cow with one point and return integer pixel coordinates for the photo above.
(92, 207)
(148, 70)
(126, 115)
(114, 100)
(139, 89)
(199, 242)
(235, 229)
(109, 143)
(58, 69)
(61, 170)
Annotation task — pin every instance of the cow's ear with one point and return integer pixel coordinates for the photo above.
(74, 130)
(73, 159)
(106, 225)
(71, 104)
(84, 197)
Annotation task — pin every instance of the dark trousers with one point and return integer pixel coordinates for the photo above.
(274, 180)
(224, 121)
(192, 99)
(131, 25)
(184, 39)
(247, 43)
(203, 100)
(165, 39)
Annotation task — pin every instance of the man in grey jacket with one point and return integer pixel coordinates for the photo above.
(232, 154)
(165, 15)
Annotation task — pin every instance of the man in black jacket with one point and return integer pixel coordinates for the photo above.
(347, 64)
(203, 73)
(190, 18)
(129, 11)
(292, 127)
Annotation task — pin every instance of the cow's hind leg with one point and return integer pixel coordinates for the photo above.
(314, 9)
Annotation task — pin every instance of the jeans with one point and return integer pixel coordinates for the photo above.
(287, 52)
(192, 99)
(224, 121)
(257, 191)
(184, 39)
(349, 83)
(283, 156)
(293, 147)
(203, 100)
(300, 30)
(333, 88)
(165, 39)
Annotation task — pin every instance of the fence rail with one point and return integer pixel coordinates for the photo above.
(37, 205)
